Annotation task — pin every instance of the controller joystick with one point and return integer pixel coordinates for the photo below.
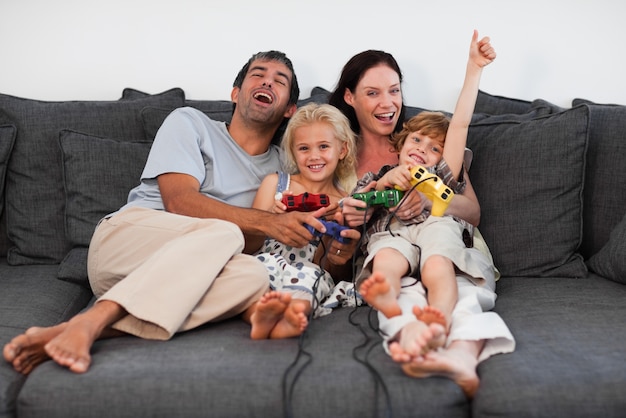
(434, 189)
(333, 229)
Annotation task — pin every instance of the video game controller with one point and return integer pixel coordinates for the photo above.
(305, 202)
(434, 189)
(388, 198)
(333, 229)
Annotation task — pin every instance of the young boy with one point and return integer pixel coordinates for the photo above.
(430, 246)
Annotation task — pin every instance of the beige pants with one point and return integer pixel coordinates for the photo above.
(172, 273)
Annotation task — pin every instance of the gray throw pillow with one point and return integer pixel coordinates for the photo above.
(605, 180)
(528, 175)
(35, 198)
(610, 261)
(98, 173)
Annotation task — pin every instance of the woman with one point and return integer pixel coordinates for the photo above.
(369, 93)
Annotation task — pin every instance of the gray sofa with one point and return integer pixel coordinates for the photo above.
(551, 182)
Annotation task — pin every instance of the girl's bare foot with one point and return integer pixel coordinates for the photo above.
(454, 363)
(269, 310)
(26, 351)
(293, 322)
(377, 291)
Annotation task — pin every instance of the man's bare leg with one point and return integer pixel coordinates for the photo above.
(267, 312)
(378, 292)
(294, 321)
(26, 351)
(71, 347)
(458, 362)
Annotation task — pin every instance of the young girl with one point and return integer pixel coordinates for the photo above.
(320, 158)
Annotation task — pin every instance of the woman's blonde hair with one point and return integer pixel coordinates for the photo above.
(432, 124)
(345, 174)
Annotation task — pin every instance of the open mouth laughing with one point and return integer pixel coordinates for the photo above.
(263, 97)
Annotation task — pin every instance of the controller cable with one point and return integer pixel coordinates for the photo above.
(288, 387)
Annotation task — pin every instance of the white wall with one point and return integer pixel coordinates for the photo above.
(85, 49)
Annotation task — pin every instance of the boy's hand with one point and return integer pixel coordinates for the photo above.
(481, 52)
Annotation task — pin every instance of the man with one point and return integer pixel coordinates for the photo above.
(171, 259)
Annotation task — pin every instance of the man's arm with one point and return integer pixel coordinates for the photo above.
(481, 54)
(180, 194)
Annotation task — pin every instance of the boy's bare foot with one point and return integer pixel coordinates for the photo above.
(26, 351)
(269, 310)
(416, 339)
(454, 363)
(430, 315)
(294, 321)
(377, 291)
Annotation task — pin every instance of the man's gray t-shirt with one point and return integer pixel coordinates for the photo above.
(189, 142)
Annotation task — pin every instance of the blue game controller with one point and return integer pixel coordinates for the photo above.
(333, 229)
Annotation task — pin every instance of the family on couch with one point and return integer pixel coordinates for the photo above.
(147, 262)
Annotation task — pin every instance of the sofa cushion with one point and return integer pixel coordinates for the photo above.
(497, 105)
(98, 173)
(610, 261)
(604, 199)
(7, 139)
(34, 187)
(528, 174)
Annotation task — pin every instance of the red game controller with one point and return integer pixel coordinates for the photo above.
(305, 202)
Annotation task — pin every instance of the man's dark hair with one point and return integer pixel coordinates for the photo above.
(271, 56)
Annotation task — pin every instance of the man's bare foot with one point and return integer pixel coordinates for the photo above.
(72, 346)
(293, 322)
(454, 363)
(26, 351)
(269, 310)
(377, 291)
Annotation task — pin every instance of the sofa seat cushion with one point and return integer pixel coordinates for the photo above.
(34, 189)
(568, 360)
(528, 175)
(30, 296)
(217, 370)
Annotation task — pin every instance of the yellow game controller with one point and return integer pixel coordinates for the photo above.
(434, 189)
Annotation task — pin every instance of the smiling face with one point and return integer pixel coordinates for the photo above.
(264, 94)
(317, 151)
(419, 149)
(377, 101)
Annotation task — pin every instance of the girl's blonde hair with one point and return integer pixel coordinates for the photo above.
(345, 173)
(432, 124)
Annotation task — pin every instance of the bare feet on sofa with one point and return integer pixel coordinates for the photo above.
(377, 292)
(458, 362)
(68, 343)
(418, 337)
(26, 351)
(276, 315)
